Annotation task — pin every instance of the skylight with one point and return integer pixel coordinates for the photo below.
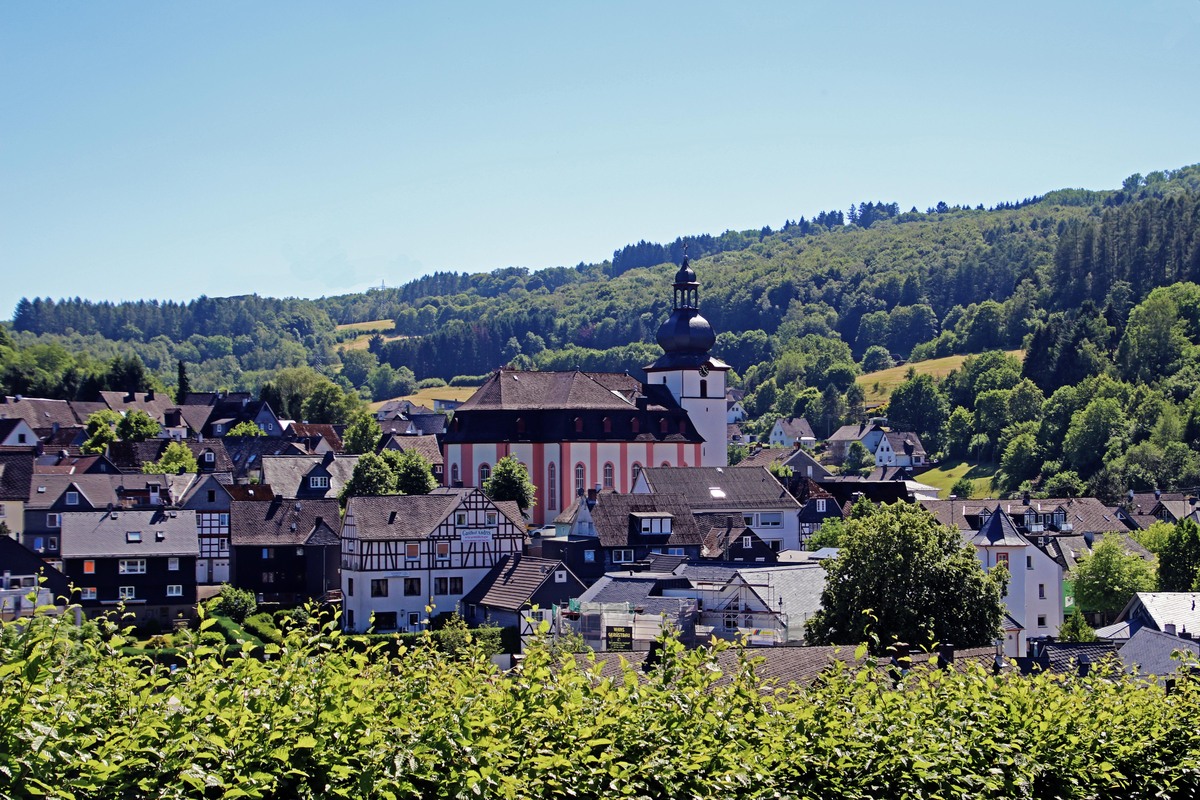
(716, 492)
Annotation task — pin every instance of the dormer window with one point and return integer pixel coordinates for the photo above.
(210, 457)
(318, 482)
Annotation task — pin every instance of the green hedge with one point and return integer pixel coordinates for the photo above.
(318, 719)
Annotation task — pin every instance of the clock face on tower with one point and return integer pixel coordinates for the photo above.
(703, 370)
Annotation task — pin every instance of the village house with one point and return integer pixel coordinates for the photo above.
(308, 477)
(753, 494)
(792, 432)
(519, 582)
(286, 550)
(143, 558)
(401, 553)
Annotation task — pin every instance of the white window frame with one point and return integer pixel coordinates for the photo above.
(126, 592)
(820, 505)
(131, 566)
(770, 519)
(589, 556)
(72, 498)
(747, 542)
(412, 551)
(442, 551)
(318, 482)
(175, 590)
(53, 520)
(87, 593)
(622, 555)
(173, 564)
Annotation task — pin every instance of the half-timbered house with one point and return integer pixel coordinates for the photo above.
(404, 552)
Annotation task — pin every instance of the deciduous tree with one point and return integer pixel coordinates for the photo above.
(916, 580)
(510, 481)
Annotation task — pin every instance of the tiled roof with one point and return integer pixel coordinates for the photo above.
(515, 579)
(1068, 549)
(428, 424)
(1084, 514)
(249, 491)
(16, 473)
(396, 517)
(155, 404)
(103, 533)
(517, 390)
(1064, 657)
(427, 446)
(312, 433)
(284, 522)
(765, 456)
(38, 412)
(852, 433)
(715, 488)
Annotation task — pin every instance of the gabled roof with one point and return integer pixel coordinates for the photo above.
(613, 516)
(247, 452)
(284, 522)
(518, 390)
(288, 475)
(312, 434)
(103, 534)
(130, 456)
(853, 433)
(796, 428)
(720, 534)
(905, 442)
(16, 473)
(399, 517)
(1150, 652)
(428, 424)
(1084, 514)
(19, 561)
(515, 579)
(718, 488)
(1068, 549)
(38, 412)
(426, 446)
(98, 490)
(1159, 609)
(999, 531)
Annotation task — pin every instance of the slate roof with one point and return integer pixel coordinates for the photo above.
(515, 579)
(16, 474)
(636, 590)
(288, 475)
(905, 442)
(764, 457)
(246, 452)
(853, 433)
(102, 534)
(1159, 609)
(394, 409)
(249, 491)
(1085, 514)
(129, 456)
(796, 428)
(430, 424)
(717, 488)
(1148, 652)
(38, 412)
(101, 489)
(284, 522)
(1064, 657)
(615, 527)
(999, 531)
(1068, 549)
(398, 517)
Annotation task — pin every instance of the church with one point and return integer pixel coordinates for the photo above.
(577, 430)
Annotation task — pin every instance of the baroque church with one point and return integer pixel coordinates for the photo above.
(575, 431)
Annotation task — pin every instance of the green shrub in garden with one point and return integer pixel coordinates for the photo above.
(319, 719)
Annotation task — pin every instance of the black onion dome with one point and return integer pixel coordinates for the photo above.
(685, 331)
(685, 273)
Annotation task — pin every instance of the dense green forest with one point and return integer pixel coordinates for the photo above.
(1098, 287)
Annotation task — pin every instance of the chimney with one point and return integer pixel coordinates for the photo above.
(1169, 629)
(327, 458)
(945, 655)
(1158, 494)
(130, 397)
(149, 395)
(653, 657)
(1025, 498)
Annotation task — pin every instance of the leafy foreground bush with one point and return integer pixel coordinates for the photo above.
(321, 720)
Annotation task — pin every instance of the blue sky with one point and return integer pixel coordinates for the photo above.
(168, 150)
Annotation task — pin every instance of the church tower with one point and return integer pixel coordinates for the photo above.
(694, 378)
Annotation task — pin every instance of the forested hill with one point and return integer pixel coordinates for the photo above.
(949, 279)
